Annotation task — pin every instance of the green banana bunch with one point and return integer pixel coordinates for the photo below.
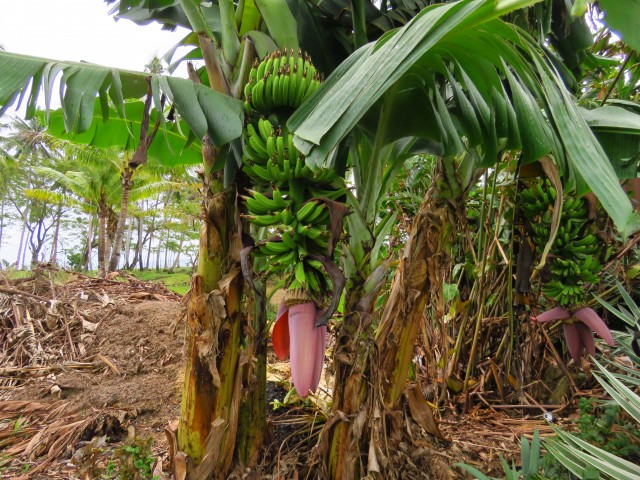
(281, 79)
(575, 251)
(290, 199)
(260, 204)
(271, 158)
(537, 200)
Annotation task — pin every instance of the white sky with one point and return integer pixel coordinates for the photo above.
(80, 30)
(76, 30)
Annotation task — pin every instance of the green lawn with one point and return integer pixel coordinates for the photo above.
(178, 281)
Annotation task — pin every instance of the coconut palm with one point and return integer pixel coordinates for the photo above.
(27, 144)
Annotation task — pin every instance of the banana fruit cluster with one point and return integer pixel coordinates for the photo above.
(271, 158)
(289, 198)
(281, 79)
(575, 252)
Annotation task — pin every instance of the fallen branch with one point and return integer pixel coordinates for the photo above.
(41, 371)
(13, 291)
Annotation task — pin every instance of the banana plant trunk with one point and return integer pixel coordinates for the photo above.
(223, 380)
(371, 374)
(353, 391)
(417, 280)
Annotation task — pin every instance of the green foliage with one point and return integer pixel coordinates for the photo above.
(604, 427)
(529, 457)
(76, 260)
(133, 461)
(177, 280)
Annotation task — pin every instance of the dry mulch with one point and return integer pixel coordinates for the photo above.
(81, 358)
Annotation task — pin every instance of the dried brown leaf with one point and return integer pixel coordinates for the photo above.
(421, 412)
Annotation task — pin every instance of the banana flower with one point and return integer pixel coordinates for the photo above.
(295, 334)
(578, 328)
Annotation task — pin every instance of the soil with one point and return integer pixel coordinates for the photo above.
(136, 355)
(144, 343)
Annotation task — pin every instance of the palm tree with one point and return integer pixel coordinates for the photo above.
(95, 189)
(27, 144)
(454, 81)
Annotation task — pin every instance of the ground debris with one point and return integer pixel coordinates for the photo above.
(82, 358)
(48, 320)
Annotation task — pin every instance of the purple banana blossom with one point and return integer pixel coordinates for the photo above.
(295, 334)
(579, 335)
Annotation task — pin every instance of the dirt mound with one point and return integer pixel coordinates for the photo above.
(140, 346)
(82, 358)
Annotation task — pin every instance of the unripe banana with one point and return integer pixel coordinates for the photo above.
(268, 66)
(265, 220)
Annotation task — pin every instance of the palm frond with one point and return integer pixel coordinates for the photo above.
(56, 198)
(149, 189)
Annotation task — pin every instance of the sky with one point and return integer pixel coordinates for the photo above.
(77, 30)
(80, 30)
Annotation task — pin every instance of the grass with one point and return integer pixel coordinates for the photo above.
(178, 280)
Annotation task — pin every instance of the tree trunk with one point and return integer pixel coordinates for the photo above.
(21, 244)
(159, 251)
(127, 248)
(88, 264)
(371, 377)
(152, 230)
(176, 261)
(111, 224)
(54, 242)
(352, 397)
(226, 363)
(166, 249)
(418, 279)
(127, 183)
(37, 238)
(102, 235)
(1, 221)
(140, 242)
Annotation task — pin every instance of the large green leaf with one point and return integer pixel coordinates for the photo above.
(18, 72)
(230, 42)
(280, 22)
(348, 94)
(537, 115)
(622, 17)
(612, 119)
(167, 12)
(586, 155)
(618, 131)
(169, 147)
(205, 111)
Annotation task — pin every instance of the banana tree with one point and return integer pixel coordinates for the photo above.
(470, 87)
(222, 364)
(462, 84)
